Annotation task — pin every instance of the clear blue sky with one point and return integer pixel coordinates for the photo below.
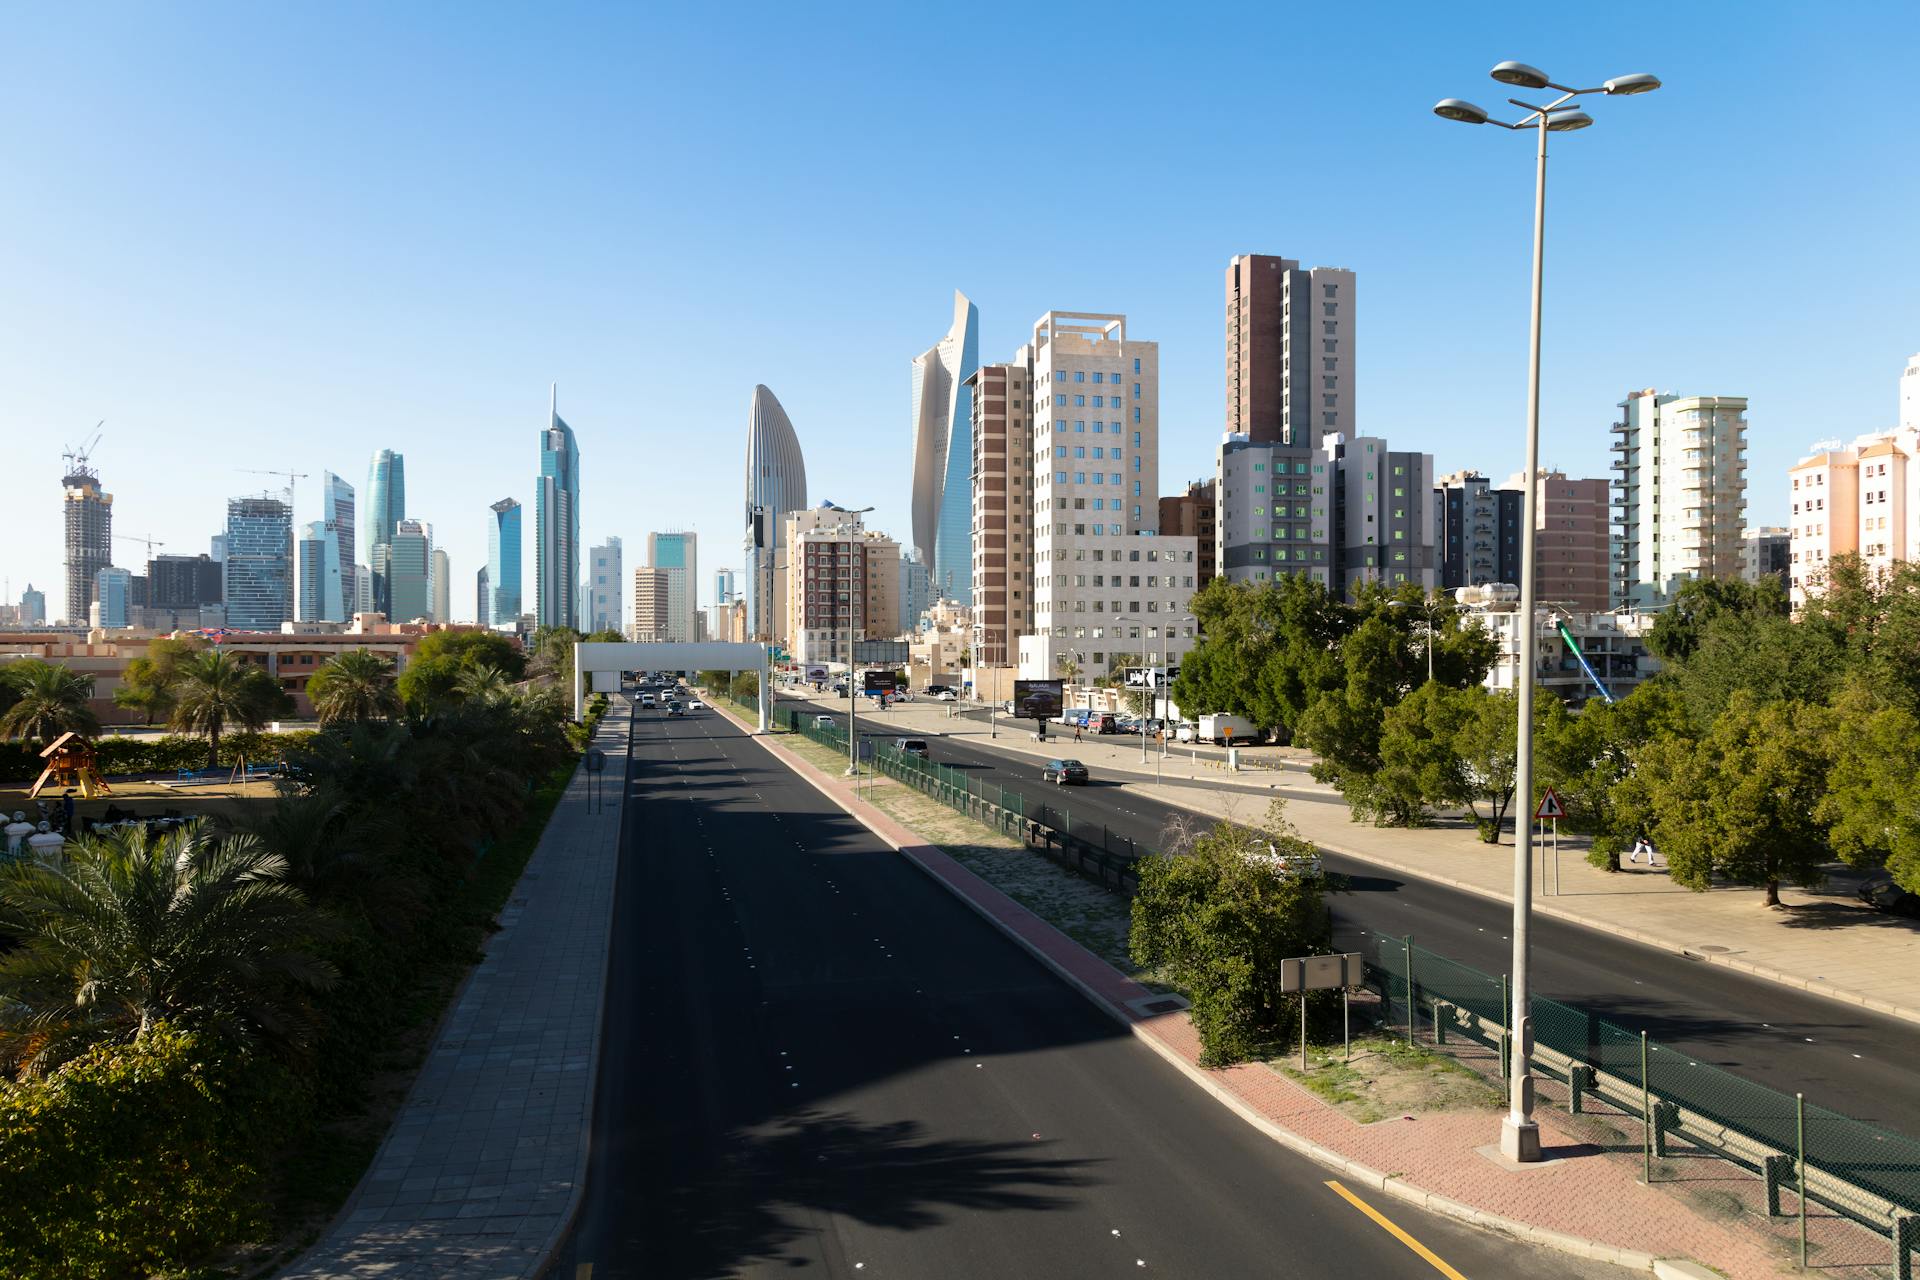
(285, 236)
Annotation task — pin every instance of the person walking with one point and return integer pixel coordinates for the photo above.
(1076, 731)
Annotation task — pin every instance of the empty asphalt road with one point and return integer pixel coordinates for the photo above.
(817, 1060)
(1844, 1058)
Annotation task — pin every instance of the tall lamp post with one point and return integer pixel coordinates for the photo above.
(1519, 1133)
(853, 597)
(1145, 674)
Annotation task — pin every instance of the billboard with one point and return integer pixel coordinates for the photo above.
(1151, 677)
(1038, 699)
(816, 673)
(880, 681)
(891, 652)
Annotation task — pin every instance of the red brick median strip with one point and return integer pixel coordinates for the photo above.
(1586, 1205)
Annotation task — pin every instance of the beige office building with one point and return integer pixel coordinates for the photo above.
(842, 579)
(653, 612)
(1860, 499)
(1003, 467)
(1682, 499)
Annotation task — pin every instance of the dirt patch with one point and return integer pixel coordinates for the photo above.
(1390, 1078)
(151, 799)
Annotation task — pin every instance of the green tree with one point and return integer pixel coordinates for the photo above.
(1585, 755)
(744, 686)
(1420, 762)
(482, 683)
(1872, 798)
(1682, 625)
(143, 927)
(1741, 802)
(429, 683)
(49, 700)
(1218, 918)
(552, 658)
(147, 684)
(216, 691)
(1487, 741)
(1266, 651)
(475, 649)
(1873, 619)
(357, 686)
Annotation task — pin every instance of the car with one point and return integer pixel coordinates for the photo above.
(1185, 733)
(1064, 773)
(912, 747)
(825, 722)
(694, 704)
(646, 699)
(1291, 864)
(1881, 893)
(676, 708)
(944, 695)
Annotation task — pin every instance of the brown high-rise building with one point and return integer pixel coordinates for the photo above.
(1572, 550)
(1002, 510)
(89, 535)
(1289, 350)
(1191, 515)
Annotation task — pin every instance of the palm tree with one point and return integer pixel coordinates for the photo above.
(142, 928)
(217, 690)
(50, 700)
(356, 686)
(482, 683)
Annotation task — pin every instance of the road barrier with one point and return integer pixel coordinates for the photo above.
(1868, 1174)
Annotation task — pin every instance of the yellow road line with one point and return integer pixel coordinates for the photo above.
(1405, 1239)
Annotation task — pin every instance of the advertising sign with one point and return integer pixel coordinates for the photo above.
(880, 681)
(816, 674)
(1038, 699)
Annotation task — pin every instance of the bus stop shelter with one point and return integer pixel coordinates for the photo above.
(598, 664)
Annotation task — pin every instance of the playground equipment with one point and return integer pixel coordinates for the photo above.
(70, 763)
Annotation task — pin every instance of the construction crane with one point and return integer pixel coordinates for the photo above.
(150, 543)
(76, 459)
(290, 475)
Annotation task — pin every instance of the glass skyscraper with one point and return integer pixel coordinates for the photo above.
(337, 512)
(776, 485)
(943, 454)
(556, 523)
(386, 508)
(407, 564)
(678, 556)
(322, 597)
(503, 565)
(259, 564)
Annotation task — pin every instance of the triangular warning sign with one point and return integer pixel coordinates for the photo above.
(1550, 806)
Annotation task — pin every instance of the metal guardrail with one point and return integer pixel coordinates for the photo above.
(1857, 1169)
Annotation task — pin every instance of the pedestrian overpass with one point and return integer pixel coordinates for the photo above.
(600, 662)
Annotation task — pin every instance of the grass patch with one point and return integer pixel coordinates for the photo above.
(1389, 1077)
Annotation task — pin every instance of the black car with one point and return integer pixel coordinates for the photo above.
(1882, 894)
(1064, 772)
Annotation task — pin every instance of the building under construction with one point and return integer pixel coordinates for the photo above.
(89, 528)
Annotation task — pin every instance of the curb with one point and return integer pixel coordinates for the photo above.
(1395, 1187)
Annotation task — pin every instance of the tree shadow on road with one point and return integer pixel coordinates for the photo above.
(788, 1175)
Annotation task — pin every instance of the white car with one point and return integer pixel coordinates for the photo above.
(1286, 864)
(946, 695)
(694, 704)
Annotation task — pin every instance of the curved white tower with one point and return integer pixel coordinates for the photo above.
(943, 454)
(776, 485)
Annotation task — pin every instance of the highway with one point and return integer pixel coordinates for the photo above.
(814, 1057)
(1848, 1059)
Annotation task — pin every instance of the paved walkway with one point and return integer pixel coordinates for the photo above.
(480, 1174)
(1580, 1201)
(1824, 942)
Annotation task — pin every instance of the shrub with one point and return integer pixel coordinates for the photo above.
(128, 1161)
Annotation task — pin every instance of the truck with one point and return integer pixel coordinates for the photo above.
(1223, 729)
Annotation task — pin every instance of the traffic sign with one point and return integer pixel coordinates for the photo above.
(1550, 806)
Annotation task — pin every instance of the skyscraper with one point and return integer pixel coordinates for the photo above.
(556, 520)
(725, 586)
(1290, 336)
(33, 607)
(442, 586)
(89, 530)
(503, 565)
(776, 485)
(483, 597)
(406, 565)
(337, 511)
(259, 565)
(943, 453)
(322, 597)
(113, 598)
(677, 555)
(1692, 450)
(603, 587)
(386, 508)
(1002, 561)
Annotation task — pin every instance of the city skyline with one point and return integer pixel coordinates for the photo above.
(508, 305)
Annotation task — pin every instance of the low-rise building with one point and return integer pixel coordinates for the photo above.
(1612, 644)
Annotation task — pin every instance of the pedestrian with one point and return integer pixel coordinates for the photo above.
(1076, 731)
(66, 810)
(1642, 845)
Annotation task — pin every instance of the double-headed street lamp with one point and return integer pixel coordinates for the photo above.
(856, 590)
(1519, 1134)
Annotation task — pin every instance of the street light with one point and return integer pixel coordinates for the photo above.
(1146, 673)
(1519, 1134)
(853, 736)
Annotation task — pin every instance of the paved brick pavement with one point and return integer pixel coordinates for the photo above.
(480, 1174)
(1582, 1201)
(1870, 963)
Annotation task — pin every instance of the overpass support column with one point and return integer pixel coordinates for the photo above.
(579, 698)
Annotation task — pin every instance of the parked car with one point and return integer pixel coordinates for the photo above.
(1064, 773)
(1882, 894)
(1186, 732)
(912, 747)
(944, 695)
(1103, 722)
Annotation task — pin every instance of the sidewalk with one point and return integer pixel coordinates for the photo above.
(482, 1170)
(1578, 1202)
(1824, 942)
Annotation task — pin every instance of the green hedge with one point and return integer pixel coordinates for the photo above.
(20, 761)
